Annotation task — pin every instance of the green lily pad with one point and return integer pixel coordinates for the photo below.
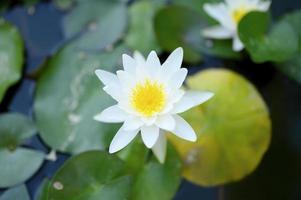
(92, 175)
(158, 181)
(16, 193)
(69, 95)
(181, 26)
(141, 35)
(233, 129)
(64, 4)
(292, 67)
(13, 136)
(42, 193)
(97, 24)
(11, 56)
(17, 164)
(278, 44)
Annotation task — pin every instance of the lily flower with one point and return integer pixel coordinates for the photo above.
(149, 98)
(229, 14)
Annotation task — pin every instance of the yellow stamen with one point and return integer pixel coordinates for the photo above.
(148, 98)
(239, 13)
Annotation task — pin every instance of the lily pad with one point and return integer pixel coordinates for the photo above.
(96, 24)
(158, 181)
(16, 193)
(292, 67)
(42, 193)
(64, 4)
(181, 26)
(278, 45)
(11, 56)
(17, 164)
(91, 175)
(141, 35)
(233, 129)
(69, 95)
(13, 136)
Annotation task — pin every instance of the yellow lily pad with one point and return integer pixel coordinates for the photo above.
(233, 129)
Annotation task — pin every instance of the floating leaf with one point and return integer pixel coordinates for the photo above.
(42, 193)
(98, 23)
(69, 95)
(91, 175)
(12, 136)
(17, 164)
(158, 181)
(11, 56)
(292, 67)
(180, 26)
(16, 193)
(279, 44)
(233, 130)
(141, 35)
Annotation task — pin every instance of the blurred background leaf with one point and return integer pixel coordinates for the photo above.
(233, 129)
(17, 163)
(16, 193)
(11, 56)
(68, 96)
(278, 44)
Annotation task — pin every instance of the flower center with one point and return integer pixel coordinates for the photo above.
(148, 98)
(238, 14)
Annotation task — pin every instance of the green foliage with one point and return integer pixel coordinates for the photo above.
(141, 35)
(69, 95)
(233, 129)
(278, 44)
(292, 67)
(17, 163)
(11, 56)
(96, 24)
(91, 175)
(16, 193)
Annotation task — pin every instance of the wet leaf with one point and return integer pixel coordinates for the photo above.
(97, 24)
(69, 95)
(11, 56)
(42, 193)
(91, 175)
(233, 130)
(278, 44)
(16, 193)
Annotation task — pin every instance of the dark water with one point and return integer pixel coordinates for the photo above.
(279, 175)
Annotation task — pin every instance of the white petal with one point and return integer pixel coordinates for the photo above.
(129, 64)
(166, 122)
(150, 135)
(183, 129)
(217, 32)
(107, 78)
(127, 79)
(132, 123)
(173, 62)
(264, 5)
(113, 91)
(121, 139)
(219, 12)
(111, 114)
(237, 44)
(177, 79)
(139, 58)
(191, 99)
(153, 64)
(149, 120)
(159, 149)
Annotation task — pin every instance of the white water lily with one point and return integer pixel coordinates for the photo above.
(229, 14)
(149, 98)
